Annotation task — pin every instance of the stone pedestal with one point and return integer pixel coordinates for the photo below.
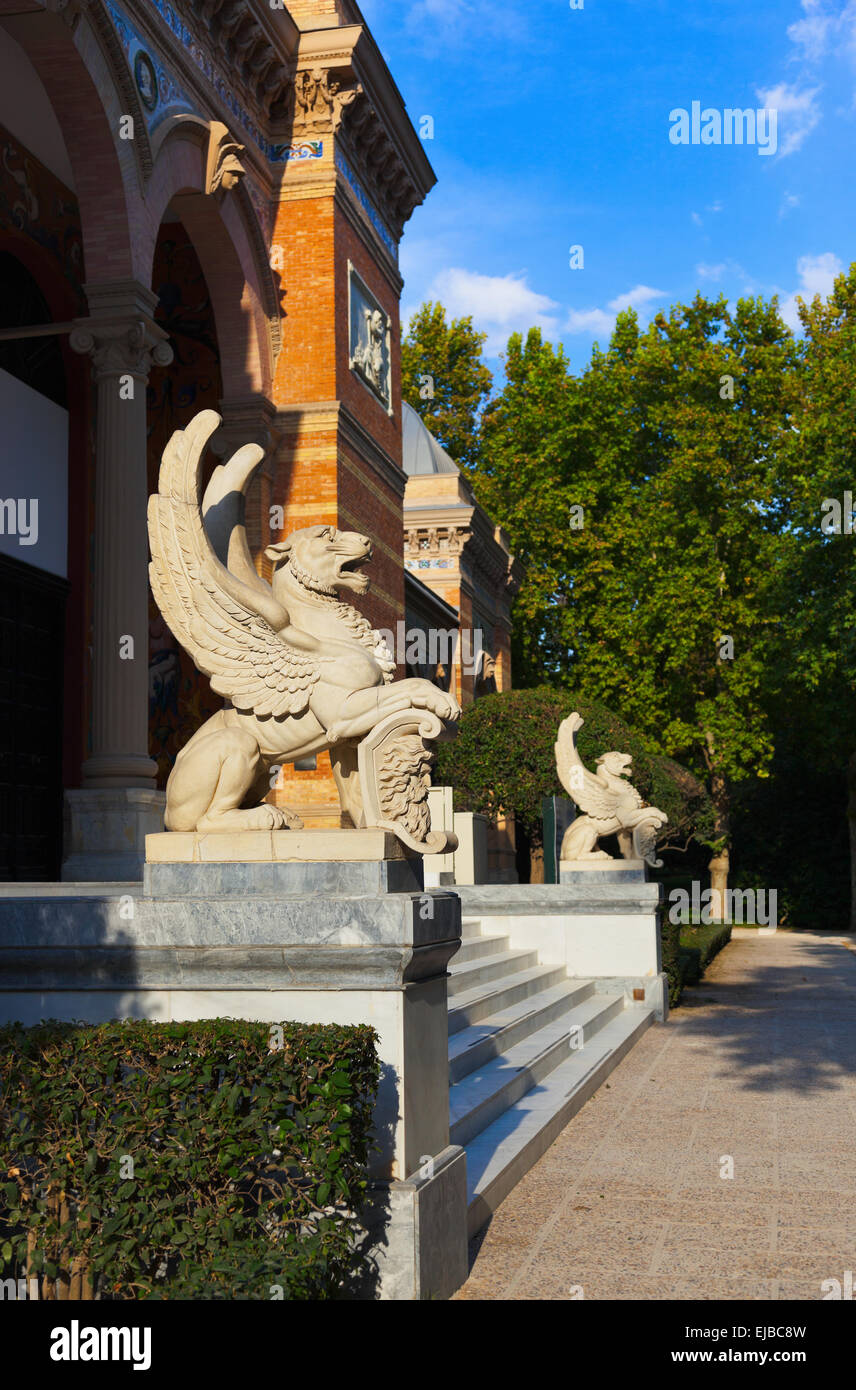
(471, 854)
(440, 868)
(344, 934)
(586, 872)
(105, 832)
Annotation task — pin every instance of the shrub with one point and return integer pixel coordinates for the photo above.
(699, 945)
(248, 1145)
(502, 761)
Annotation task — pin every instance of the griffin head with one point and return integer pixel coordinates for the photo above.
(619, 764)
(322, 559)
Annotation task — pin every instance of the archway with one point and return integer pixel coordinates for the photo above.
(180, 698)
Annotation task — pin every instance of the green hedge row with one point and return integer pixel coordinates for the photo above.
(687, 951)
(699, 945)
(219, 1159)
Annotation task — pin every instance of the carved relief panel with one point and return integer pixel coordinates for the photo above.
(369, 343)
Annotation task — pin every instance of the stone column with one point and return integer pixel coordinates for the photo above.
(108, 819)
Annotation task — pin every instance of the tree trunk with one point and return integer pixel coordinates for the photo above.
(536, 864)
(721, 862)
(719, 867)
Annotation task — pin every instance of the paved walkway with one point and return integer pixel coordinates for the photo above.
(758, 1066)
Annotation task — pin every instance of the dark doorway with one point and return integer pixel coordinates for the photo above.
(32, 641)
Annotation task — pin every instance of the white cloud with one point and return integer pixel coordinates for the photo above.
(637, 298)
(789, 201)
(797, 114)
(711, 272)
(816, 276)
(812, 33)
(594, 321)
(499, 304)
(824, 29)
(600, 322)
(696, 218)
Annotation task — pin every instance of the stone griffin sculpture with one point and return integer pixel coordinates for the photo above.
(610, 805)
(302, 671)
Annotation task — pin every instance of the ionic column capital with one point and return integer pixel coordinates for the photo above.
(122, 348)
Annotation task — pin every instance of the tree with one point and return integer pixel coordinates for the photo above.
(816, 663)
(658, 604)
(445, 379)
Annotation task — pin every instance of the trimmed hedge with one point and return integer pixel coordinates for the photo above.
(687, 951)
(699, 945)
(209, 1160)
(670, 945)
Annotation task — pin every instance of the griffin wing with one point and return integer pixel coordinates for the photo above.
(228, 624)
(583, 787)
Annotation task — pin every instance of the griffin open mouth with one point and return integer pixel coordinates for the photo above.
(349, 571)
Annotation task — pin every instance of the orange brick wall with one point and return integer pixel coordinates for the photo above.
(318, 476)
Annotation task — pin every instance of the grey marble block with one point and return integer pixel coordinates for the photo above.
(363, 942)
(536, 899)
(603, 872)
(289, 879)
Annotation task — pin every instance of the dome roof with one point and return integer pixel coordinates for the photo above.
(421, 453)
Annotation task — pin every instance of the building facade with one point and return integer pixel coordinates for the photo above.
(201, 205)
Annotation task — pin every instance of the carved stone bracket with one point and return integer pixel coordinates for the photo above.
(320, 102)
(394, 763)
(223, 169)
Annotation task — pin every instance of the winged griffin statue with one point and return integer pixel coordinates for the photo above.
(610, 805)
(300, 669)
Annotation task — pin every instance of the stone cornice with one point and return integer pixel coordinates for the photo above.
(467, 535)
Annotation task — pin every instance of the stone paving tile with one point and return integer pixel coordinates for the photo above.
(629, 1203)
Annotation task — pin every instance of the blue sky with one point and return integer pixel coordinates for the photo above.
(551, 129)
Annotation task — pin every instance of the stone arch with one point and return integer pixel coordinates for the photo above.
(81, 84)
(229, 243)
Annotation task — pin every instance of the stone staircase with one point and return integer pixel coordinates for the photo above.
(527, 1047)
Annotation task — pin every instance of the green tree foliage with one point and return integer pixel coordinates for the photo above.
(668, 442)
(445, 379)
(669, 496)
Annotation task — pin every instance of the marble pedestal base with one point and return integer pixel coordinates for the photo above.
(105, 831)
(301, 941)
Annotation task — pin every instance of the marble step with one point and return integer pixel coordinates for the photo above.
(482, 1000)
(470, 928)
(463, 978)
(473, 947)
(483, 1095)
(501, 1153)
(475, 1046)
